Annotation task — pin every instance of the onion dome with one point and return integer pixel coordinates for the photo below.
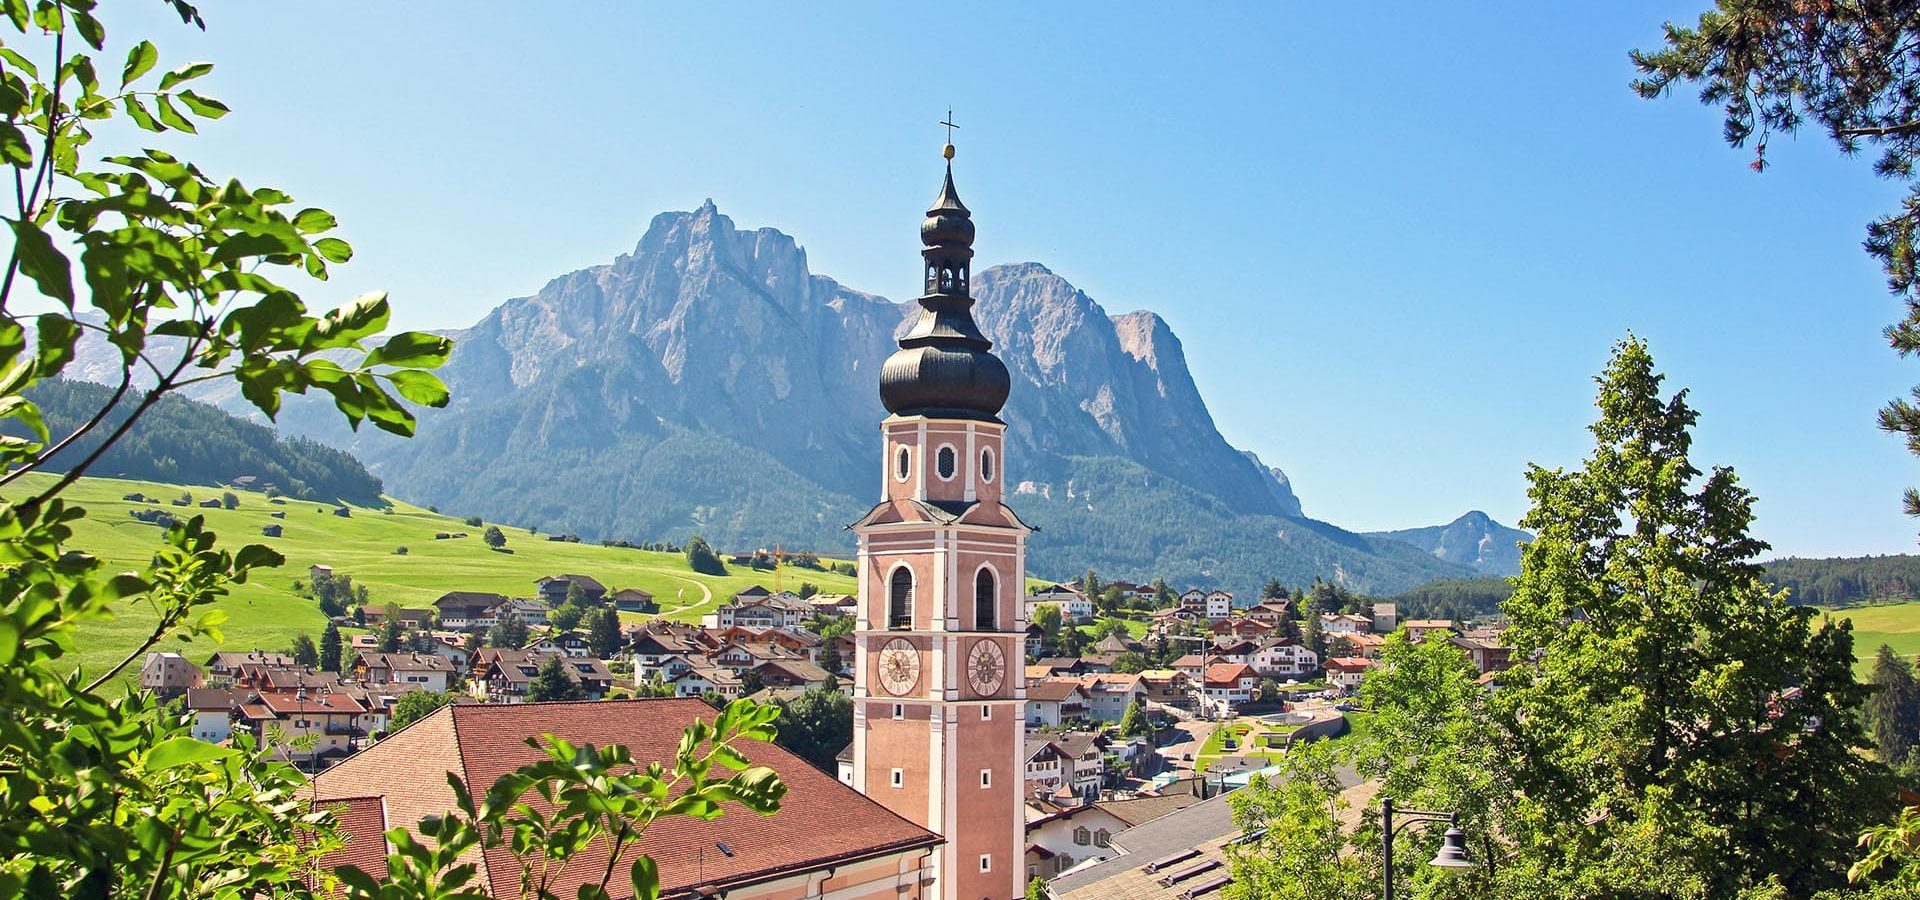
(944, 368)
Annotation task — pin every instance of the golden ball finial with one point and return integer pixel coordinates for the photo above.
(947, 151)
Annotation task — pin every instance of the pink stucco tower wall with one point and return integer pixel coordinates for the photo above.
(939, 683)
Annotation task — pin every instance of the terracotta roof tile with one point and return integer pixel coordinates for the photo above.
(487, 741)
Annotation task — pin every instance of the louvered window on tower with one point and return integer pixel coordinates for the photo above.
(900, 600)
(985, 601)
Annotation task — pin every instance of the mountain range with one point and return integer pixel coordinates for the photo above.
(710, 383)
(1474, 540)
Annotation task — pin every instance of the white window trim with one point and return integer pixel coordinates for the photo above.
(898, 778)
(986, 862)
(986, 712)
(946, 448)
(990, 465)
(899, 711)
(986, 778)
(902, 452)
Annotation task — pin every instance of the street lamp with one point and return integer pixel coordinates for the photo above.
(1453, 844)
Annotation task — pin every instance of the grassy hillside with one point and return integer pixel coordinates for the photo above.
(1894, 624)
(267, 614)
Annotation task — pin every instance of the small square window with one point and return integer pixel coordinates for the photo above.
(986, 778)
(899, 710)
(899, 778)
(986, 862)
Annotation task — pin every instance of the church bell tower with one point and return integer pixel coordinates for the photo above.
(939, 685)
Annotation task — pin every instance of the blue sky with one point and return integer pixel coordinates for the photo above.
(1397, 240)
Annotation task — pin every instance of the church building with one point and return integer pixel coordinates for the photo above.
(939, 685)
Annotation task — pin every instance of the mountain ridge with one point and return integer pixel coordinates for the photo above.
(709, 382)
(1474, 540)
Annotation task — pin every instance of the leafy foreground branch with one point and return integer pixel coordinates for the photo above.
(102, 792)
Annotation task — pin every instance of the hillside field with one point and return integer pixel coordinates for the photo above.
(265, 613)
(1894, 624)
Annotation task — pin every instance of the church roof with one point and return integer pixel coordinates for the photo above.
(482, 742)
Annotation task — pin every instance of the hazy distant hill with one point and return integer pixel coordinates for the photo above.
(185, 442)
(708, 382)
(1474, 540)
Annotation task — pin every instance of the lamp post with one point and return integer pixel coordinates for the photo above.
(1453, 846)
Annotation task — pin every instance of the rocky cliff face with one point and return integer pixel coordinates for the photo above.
(708, 382)
(1474, 539)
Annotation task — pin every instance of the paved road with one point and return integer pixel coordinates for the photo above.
(1192, 735)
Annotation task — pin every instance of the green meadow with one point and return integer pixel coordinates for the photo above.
(1894, 624)
(266, 613)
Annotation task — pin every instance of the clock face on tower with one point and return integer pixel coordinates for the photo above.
(986, 667)
(899, 666)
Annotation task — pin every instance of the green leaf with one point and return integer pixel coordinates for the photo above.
(646, 878)
(171, 116)
(140, 115)
(14, 147)
(43, 262)
(420, 387)
(412, 350)
(184, 751)
(205, 107)
(314, 221)
(140, 60)
(333, 249)
(184, 74)
(13, 57)
(57, 335)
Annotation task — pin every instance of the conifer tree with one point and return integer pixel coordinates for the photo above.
(330, 648)
(1893, 712)
(391, 634)
(603, 634)
(551, 682)
(304, 653)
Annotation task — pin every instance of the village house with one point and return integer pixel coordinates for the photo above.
(1047, 767)
(868, 854)
(554, 589)
(1109, 695)
(1271, 612)
(1074, 835)
(1219, 604)
(1283, 659)
(1074, 605)
(1486, 650)
(531, 612)
(468, 610)
(1167, 687)
(1053, 702)
(570, 644)
(782, 610)
(1366, 646)
(634, 600)
(1386, 618)
(1418, 629)
(310, 730)
(451, 647)
(1086, 750)
(1231, 684)
(504, 674)
(214, 710)
(1331, 624)
(223, 667)
(1344, 673)
(169, 674)
(412, 669)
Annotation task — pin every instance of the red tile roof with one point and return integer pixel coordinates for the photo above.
(362, 822)
(1229, 674)
(483, 742)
